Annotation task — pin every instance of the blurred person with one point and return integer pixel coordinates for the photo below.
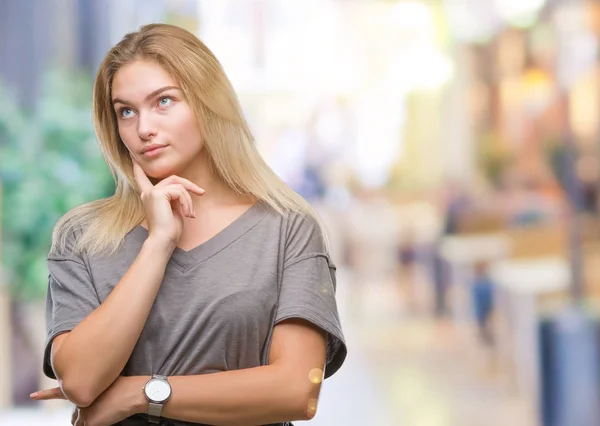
(312, 186)
(482, 297)
(202, 291)
(455, 203)
(407, 261)
(440, 278)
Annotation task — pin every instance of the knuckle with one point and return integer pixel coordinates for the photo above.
(153, 193)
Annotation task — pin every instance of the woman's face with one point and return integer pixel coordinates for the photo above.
(155, 122)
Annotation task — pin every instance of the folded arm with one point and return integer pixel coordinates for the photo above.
(285, 390)
(88, 359)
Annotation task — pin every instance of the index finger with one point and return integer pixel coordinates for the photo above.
(46, 394)
(140, 176)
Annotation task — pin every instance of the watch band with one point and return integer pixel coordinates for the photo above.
(155, 409)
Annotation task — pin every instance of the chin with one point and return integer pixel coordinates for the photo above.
(160, 171)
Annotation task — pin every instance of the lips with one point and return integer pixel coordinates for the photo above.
(151, 149)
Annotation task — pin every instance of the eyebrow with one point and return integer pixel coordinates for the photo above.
(150, 96)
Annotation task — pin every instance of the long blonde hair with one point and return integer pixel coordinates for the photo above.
(233, 155)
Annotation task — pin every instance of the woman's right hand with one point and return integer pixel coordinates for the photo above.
(165, 204)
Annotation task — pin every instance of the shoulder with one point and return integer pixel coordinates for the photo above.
(70, 228)
(64, 239)
(303, 235)
(300, 223)
(298, 232)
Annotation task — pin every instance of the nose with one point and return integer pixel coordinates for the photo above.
(146, 127)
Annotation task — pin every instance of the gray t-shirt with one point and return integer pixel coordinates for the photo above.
(218, 302)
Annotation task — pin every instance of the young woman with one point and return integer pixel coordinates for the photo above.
(202, 291)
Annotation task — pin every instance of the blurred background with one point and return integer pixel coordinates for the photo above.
(451, 147)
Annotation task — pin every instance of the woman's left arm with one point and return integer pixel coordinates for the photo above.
(285, 390)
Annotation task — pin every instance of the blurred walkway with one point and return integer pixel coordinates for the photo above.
(433, 379)
(429, 372)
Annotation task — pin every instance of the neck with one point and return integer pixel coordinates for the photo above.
(217, 192)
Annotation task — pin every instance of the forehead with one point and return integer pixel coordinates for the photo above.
(136, 80)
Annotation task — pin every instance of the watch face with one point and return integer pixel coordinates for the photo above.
(157, 390)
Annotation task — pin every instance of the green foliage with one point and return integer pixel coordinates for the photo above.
(49, 163)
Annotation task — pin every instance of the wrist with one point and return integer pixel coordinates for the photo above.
(159, 245)
(137, 403)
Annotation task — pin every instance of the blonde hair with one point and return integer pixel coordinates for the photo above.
(232, 153)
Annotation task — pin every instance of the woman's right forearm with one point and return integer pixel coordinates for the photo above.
(95, 352)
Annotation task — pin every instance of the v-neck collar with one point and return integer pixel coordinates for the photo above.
(184, 259)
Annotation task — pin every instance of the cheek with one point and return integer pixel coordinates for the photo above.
(126, 138)
(123, 136)
(187, 132)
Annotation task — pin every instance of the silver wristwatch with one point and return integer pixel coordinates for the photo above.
(157, 391)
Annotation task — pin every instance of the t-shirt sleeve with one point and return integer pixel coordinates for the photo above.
(308, 287)
(70, 298)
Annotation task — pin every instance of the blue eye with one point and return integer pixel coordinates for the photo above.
(165, 101)
(126, 112)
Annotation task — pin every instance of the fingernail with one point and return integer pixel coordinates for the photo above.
(33, 395)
